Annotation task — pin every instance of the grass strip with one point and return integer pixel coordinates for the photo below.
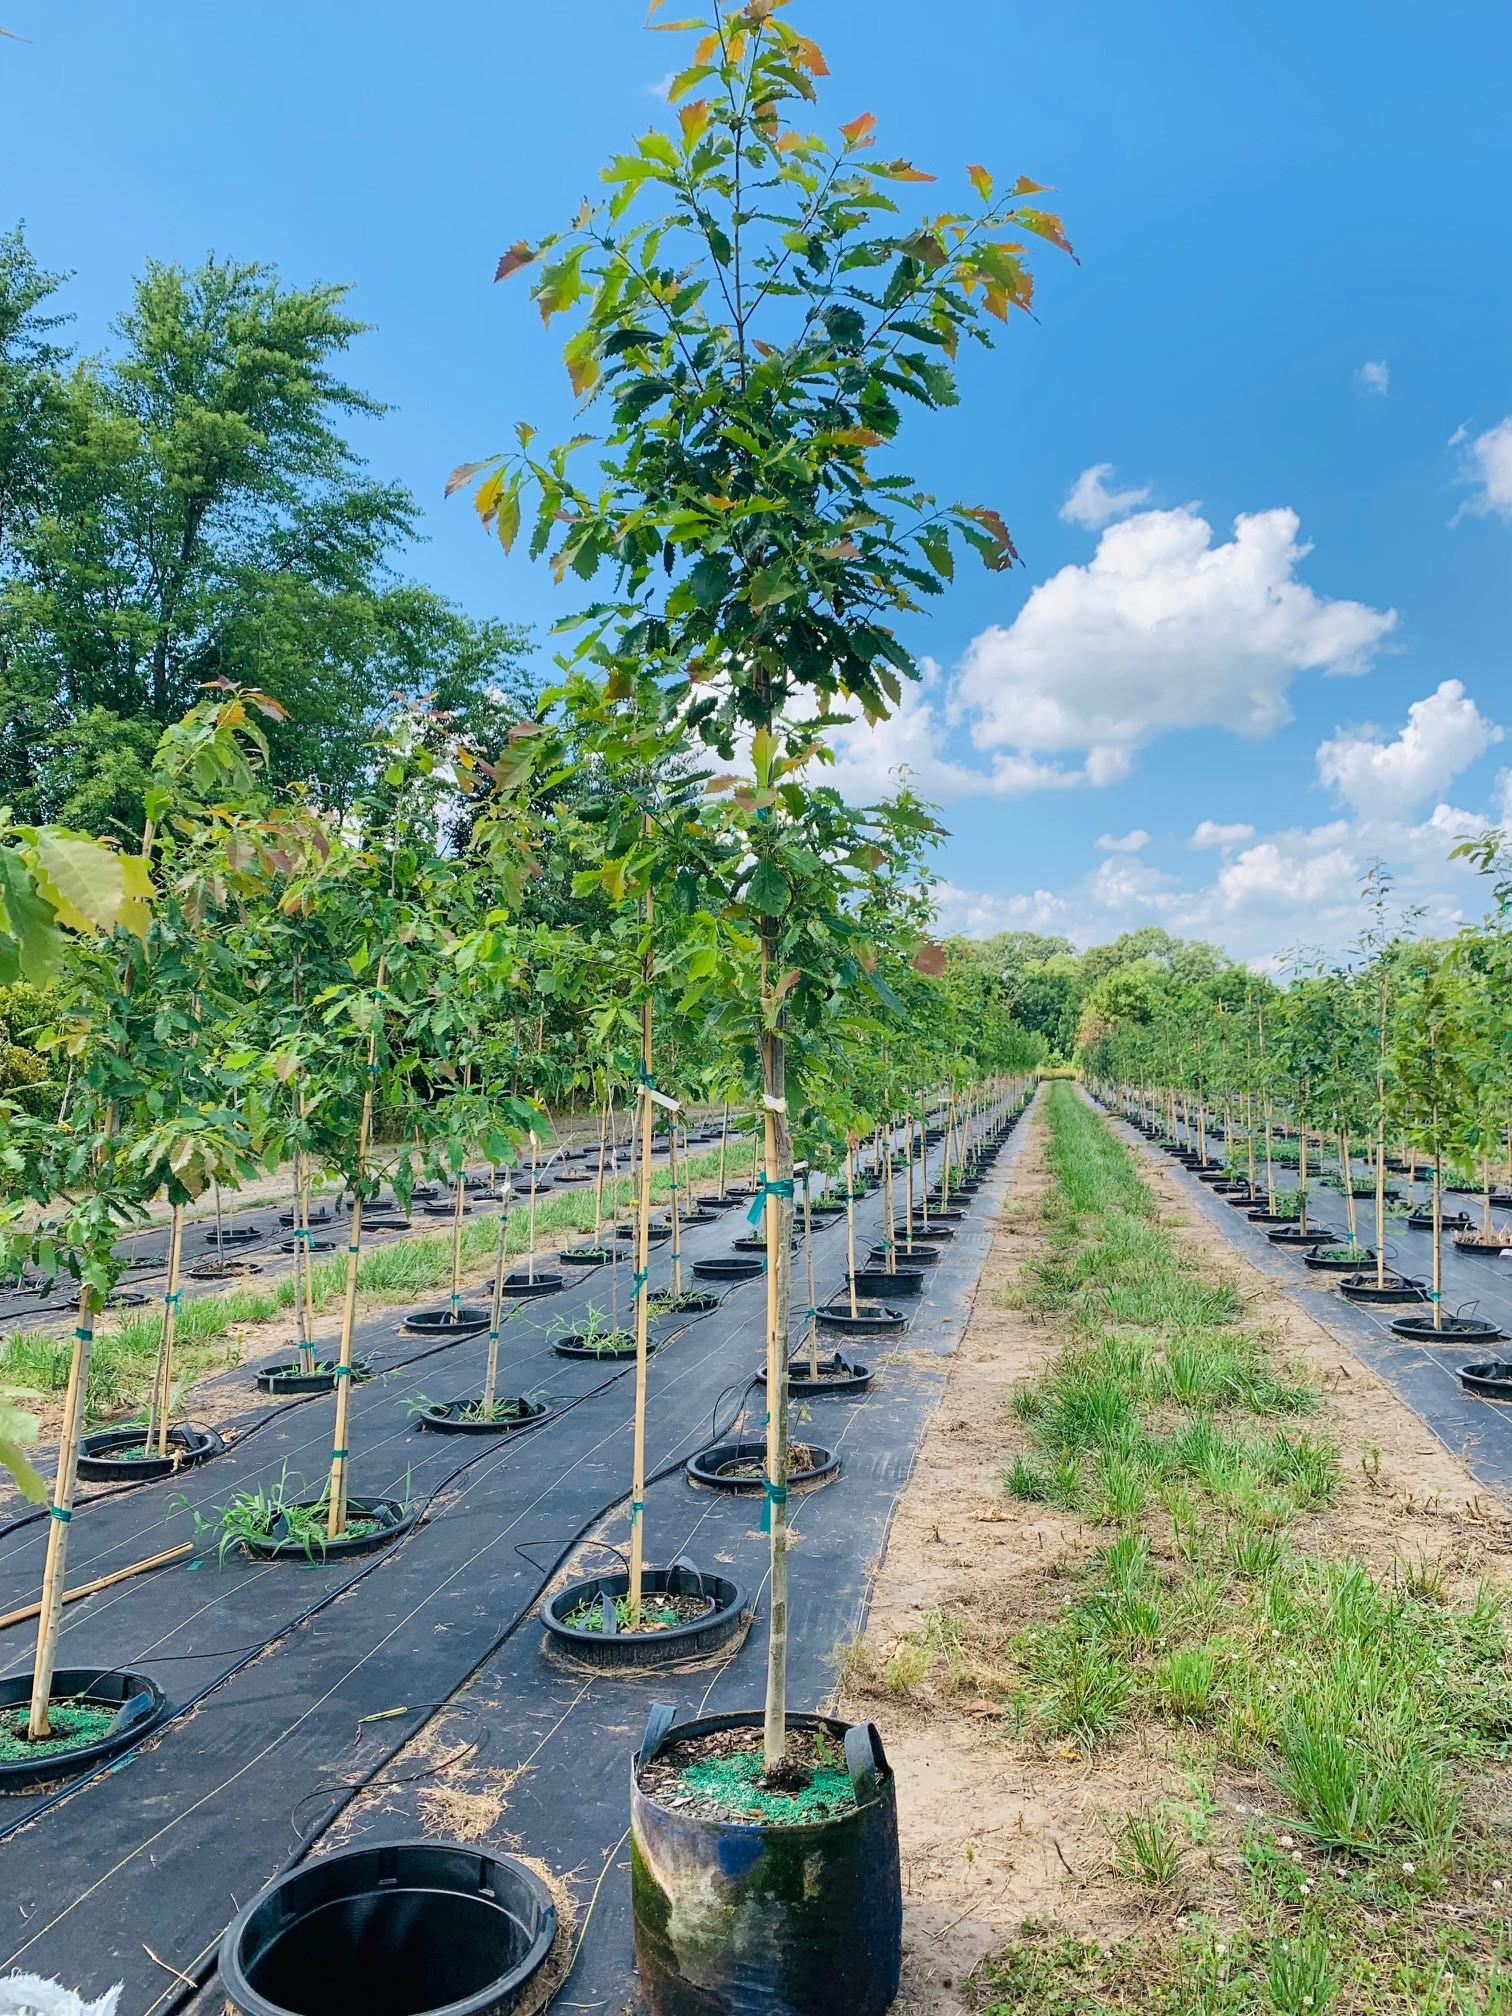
(125, 1353)
(1339, 1737)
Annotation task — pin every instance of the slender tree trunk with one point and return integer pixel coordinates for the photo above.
(51, 1610)
(336, 1490)
(779, 1173)
(496, 1314)
(646, 1113)
(162, 1386)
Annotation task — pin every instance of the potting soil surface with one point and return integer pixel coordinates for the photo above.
(295, 1684)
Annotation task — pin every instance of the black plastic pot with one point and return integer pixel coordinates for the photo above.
(1491, 1380)
(447, 1417)
(694, 1303)
(728, 1267)
(468, 1321)
(722, 1467)
(836, 1375)
(1262, 1215)
(755, 1242)
(520, 1287)
(946, 1214)
(921, 1256)
(1396, 1289)
(320, 1216)
(140, 1704)
(234, 1235)
(726, 1619)
(393, 1519)
(222, 1270)
(1451, 1330)
(1479, 1246)
(1322, 1264)
(188, 1445)
(1293, 1235)
(445, 1207)
(878, 1281)
(874, 1319)
(574, 1176)
(280, 1379)
(934, 1235)
(315, 1245)
(1449, 1221)
(737, 1918)
(588, 1256)
(402, 1928)
(386, 1221)
(576, 1345)
(655, 1234)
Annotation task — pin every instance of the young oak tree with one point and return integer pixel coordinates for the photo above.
(754, 316)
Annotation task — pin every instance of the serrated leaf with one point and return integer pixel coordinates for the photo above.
(508, 522)
(29, 921)
(981, 181)
(767, 890)
(772, 585)
(91, 886)
(519, 254)
(857, 132)
(463, 473)
(694, 121)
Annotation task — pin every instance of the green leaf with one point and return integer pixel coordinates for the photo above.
(772, 584)
(561, 285)
(767, 890)
(29, 921)
(90, 886)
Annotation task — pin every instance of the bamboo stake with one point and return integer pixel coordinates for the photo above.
(531, 1224)
(908, 1150)
(676, 1215)
(1349, 1199)
(812, 1320)
(162, 1385)
(646, 1115)
(889, 1236)
(598, 1181)
(724, 1136)
(102, 1582)
(850, 1225)
(458, 1208)
(336, 1489)
(496, 1311)
(49, 1610)
(779, 1165)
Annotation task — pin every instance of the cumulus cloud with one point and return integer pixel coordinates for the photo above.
(1124, 843)
(1162, 629)
(1444, 733)
(1210, 833)
(981, 913)
(1488, 468)
(1091, 502)
(1373, 376)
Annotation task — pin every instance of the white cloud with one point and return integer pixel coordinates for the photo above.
(976, 913)
(1373, 376)
(1161, 629)
(1126, 843)
(871, 762)
(1209, 833)
(1444, 733)
(663, 87)
(1090, 502)
(1488, 465)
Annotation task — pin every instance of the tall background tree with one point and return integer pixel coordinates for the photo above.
(186, 508)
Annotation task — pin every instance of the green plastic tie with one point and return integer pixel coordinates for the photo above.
(340, 1455)
(61, 1513)
(83, 1336)
(173, 1297)
(771, 1494)
(642, 1276)
(341, 1371)
(782, 1188)
(637, 1506)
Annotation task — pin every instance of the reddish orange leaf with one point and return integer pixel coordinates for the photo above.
(1045, 224)
(464, 473)
(694, 120)
(930, 959)
(518, 255)
(808, 56)
(762, 349)
(905, 171)
(992, 522)
(858, 132)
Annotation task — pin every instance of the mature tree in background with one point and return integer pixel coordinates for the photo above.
(189, 508)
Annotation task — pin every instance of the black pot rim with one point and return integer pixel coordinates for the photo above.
(1453, 1330)
(856, 1379)
(81, 1683)
(445, 1418)
(195, 1445)
(1399, 1288)
(751, 1718)
(703, 1468)
(693, 1640)
(874, 1281)
(344, 1548)
(734, 1267)
(1491, 1380)
(280, 1379)
(882, 1321)
(520, 1288)
(565, 1347)
(587, 1256)
(244, 1997)
(470, 1322)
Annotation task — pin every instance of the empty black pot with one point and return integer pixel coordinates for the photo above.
(393, 1930)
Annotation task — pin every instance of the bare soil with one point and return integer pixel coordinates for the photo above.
(994, 1831)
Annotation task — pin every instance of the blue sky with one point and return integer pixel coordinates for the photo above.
(1266, 199)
